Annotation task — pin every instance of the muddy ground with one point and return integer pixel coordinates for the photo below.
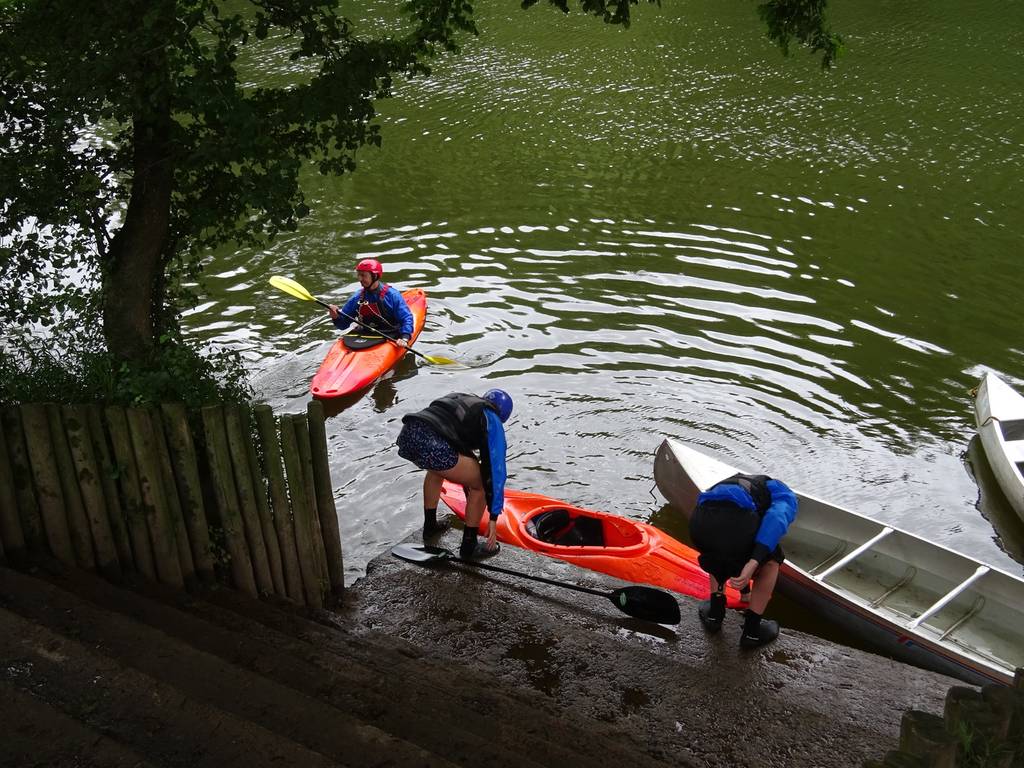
(686, 696)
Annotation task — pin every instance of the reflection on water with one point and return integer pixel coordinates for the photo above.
(802, 273)
(993, 504)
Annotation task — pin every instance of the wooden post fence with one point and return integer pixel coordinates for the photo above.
(175, 498)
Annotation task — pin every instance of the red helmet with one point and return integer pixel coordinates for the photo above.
(372, 266)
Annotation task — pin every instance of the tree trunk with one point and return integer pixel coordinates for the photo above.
(134, 275)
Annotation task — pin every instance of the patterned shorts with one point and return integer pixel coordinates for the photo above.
(421, 445)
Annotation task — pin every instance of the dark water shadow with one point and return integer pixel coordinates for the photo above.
(993, 504)
(385, 391)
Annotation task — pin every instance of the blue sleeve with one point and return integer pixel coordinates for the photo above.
(776, 520)
(350, 309)
(496, 448)
(400, 311)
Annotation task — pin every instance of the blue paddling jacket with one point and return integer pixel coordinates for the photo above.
(738, 505)
(384, 309)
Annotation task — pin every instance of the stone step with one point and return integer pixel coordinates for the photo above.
(450, 708)
(148, 716)
(37, 734)
(549, 733)
(212, 678)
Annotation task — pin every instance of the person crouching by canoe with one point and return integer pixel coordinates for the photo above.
(736, 527)
(376, 304)
(444, 439)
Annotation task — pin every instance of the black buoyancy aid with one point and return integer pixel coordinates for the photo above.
(459, 418)
(756, 486)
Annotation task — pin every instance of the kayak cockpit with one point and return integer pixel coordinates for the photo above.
(568, 527)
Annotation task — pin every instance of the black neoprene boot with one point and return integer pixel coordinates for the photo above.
(757, 631)
(712, 612)
(431, 527)
(474, 548)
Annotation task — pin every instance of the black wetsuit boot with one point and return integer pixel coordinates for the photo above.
(474, 549)
(757, 631)
(468, 547)
(712, 612)
(431, 527)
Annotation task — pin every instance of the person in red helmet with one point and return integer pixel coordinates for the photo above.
(375, 304)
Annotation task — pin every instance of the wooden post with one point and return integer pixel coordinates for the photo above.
(24, 488)
(324, 490)
(306, 457)
(223, 480)
(105, 464)
(304, 516)
(263, 508)
(131, 490)
(11, 535)
(74, 509)
(246, 498)
(175, 519)
(90, 485)
(281, 511)
(154, 501)
(47, 481)
(186, 469)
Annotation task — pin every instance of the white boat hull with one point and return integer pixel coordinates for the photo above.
(909, 598)
(999, 412)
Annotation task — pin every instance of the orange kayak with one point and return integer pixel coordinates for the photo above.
(618, 546)
(345, 370)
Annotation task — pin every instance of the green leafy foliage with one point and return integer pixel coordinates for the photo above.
(788, 21)
(802, 21)
(176, 371)
(133, 140)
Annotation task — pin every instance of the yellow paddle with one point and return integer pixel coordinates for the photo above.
(295, 289)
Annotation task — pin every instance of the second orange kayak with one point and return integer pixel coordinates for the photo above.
(345, 370)
(618, 546)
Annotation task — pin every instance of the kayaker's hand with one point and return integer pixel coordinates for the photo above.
(492, 534)
(404, 343)
(739, 582)
(333, 310)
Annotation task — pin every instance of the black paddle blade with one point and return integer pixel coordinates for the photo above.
(420, 553)
(647, 603)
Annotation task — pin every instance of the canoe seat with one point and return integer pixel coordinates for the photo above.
(1012, 430)
(1015, 451)
(557, 526)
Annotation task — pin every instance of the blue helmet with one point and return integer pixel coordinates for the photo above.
(502, 401)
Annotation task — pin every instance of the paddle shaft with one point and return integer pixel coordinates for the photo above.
(520, 574)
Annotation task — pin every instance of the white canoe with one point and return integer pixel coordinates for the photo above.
(910, 598)
(1000, 415)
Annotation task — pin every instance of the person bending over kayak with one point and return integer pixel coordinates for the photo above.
(376, 304)
(445, 439)
(736, 527)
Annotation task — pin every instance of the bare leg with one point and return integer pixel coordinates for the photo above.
(466, 473)
(432, 489)
(764, 585)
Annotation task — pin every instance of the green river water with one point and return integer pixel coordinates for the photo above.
(672, 230)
